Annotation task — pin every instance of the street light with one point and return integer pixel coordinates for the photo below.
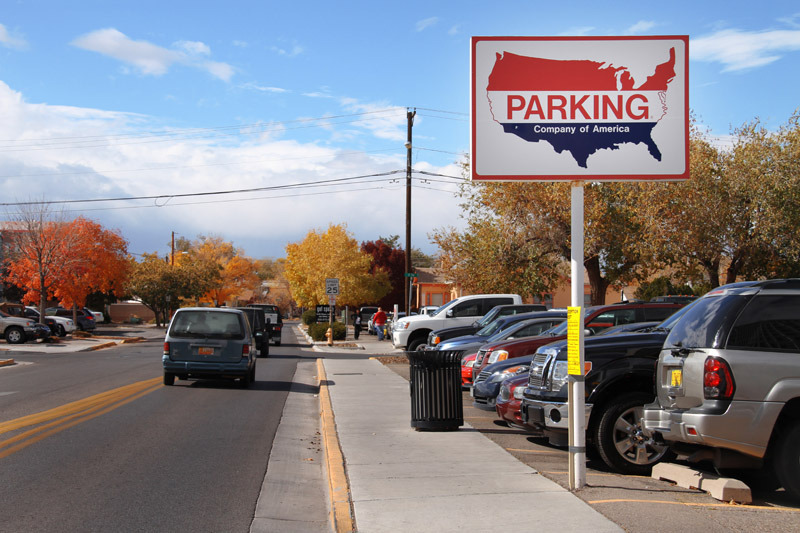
(406, 290)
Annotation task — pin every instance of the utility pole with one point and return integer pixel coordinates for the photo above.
(172, 255)
(406, 286)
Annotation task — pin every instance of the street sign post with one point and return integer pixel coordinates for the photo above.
(579, 109)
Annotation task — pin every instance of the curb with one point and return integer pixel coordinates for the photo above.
(341, 504)
(7, 362)
(99, 347)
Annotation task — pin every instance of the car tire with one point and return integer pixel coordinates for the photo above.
(61, 332)
(787, 460)
(277, 343)
(245, 380)
(169, 379)
(15, 335)
(264, 350)
(620, 441)
(416, 343)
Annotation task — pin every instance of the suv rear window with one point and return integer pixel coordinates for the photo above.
(707, 323)
(769, 323)
(207, 324)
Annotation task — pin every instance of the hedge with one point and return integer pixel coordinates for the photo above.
(317, 331)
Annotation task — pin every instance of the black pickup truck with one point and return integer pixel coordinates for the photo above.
(619, 382)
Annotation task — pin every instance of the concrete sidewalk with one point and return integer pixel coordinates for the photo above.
(406, 480)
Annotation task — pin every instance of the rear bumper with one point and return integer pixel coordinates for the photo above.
(205, 369)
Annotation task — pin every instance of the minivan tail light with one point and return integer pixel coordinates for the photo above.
(245, 350)
(717, 379)
(166, 348)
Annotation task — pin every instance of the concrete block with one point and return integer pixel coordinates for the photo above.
(721, 488)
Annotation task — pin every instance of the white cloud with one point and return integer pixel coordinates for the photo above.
(642, 26)
(382, 120)
(426, 23)
(263, 88)
(240, 44)
(577, 31)
(454, 30)
(740, 50)
(150, 59)
(294, 50)
(10, 41)
(102, 154)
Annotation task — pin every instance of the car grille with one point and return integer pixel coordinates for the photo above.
(539, 369)
(483, 376)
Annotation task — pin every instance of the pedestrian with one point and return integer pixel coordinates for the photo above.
(379, 322)
(356, 324)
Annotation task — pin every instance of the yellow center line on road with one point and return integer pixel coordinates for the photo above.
(71, 414)
(690, 504)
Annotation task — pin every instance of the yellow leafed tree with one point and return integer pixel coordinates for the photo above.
(237, 273)
(332, 254)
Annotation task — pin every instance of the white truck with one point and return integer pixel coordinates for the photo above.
(412, 331)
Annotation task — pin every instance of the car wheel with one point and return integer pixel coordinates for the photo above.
(416, 343)
(787, 460)
(15, 335)
(61, 331)
(169, 379)
(264, 349)
(619, 438)
(277, 343)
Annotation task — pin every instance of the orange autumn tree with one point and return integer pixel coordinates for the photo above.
(100, 259)
(237, 273)
(40, 256)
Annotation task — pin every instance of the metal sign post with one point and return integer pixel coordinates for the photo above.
(577, 387)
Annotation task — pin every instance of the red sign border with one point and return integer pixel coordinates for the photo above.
(577, 177)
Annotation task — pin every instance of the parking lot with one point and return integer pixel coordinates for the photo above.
(636, 503)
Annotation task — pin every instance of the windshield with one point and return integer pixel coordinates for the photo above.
(488, 319)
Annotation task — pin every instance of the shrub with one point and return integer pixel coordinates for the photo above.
(309, 317)
(317, 331)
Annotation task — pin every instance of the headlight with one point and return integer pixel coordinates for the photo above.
(436, 340)
(507, 373)
(560, 375)
(469, 363)
(518, 392)
(499, 355)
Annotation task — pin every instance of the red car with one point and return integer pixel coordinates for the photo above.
(510, 399)
(597, 318)
(466, 369)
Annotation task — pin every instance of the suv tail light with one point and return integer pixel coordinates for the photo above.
(166, 348)
(718, 379)
(245, 350)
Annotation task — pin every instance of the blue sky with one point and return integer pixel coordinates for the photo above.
(127, 99)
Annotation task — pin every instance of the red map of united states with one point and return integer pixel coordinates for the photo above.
(578, 106)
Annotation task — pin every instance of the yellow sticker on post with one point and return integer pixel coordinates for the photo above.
(574, 326)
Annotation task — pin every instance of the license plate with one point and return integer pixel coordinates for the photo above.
(676, 378)
(205, 350)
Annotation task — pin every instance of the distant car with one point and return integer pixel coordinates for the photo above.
(427, 310)
(273, 320)
(440, 335)
(203, 342)
(258, 325)
(59, 325)
(486, 385)
(98, 316)
(506, 328)
(366, 313)
(17, 330)
(86, 321)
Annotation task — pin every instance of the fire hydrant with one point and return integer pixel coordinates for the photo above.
(329, 336)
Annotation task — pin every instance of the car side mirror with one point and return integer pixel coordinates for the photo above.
(587, 332)
(449, 313)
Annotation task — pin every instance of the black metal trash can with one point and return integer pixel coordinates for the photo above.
(435, 382)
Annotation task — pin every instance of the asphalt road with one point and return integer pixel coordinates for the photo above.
(114, 450)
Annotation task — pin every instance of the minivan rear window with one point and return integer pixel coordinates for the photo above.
(207, 324)
(707, 323)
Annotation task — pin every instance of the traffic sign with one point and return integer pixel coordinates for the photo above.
(332, 286)
(410, 274)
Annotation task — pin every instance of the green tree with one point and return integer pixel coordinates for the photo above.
(332, 254)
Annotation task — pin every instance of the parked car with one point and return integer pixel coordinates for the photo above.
(366, 313)
(86, 321)
(203, 342)
(438, 336)
(274, 320)
(596, 319)
(486, 385)
(98, 316)
(259, 328)
(728, 380)
(618, 383)
(428, 309)
(506, 328)
(59, 325)
(509, 400)
(680, 299)
(17, 330)
(466, 370)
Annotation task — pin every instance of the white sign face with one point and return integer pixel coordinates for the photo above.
(332, 286)
(580, 108)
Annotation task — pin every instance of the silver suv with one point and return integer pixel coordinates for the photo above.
(728, 380)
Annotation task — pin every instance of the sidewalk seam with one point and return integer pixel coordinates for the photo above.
(341, 502)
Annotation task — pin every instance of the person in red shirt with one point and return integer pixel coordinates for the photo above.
(378, 322)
